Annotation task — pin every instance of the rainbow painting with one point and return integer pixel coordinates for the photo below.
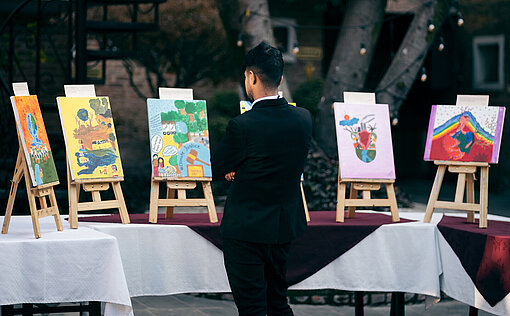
(464, 133)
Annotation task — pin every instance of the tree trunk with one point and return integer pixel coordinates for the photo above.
(348, 68)
(253, 23)
(400, 76)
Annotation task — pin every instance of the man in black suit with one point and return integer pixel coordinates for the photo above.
(262, 153)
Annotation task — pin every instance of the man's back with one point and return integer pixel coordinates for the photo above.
(266, 147)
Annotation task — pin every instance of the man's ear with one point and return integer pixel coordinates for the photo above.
(253, 77)
(281, 80)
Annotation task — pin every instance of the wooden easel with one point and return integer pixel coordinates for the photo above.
(465, 180)
(41, 191)
(365, 186)
(94, 186)
(179, 184)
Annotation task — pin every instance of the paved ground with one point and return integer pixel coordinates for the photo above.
(189, 305)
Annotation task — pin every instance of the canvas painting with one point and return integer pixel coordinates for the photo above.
(245, 106)
(34, 139)
(464, 133)
(179, 138)
(90, 138)
(365, 149)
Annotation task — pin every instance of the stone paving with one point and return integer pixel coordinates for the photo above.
(189, 305)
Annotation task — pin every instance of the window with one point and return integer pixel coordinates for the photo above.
(284, 31)
(488, 62)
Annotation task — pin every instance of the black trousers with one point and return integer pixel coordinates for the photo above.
(256, 274)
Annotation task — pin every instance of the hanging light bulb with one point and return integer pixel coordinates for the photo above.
(423, 76)
(441, 44)
(460, 19)
(295, 49)
(240, 40)
(431, 27)
(394, 122)
(362, 49)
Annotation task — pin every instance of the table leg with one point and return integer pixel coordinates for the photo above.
(397, 304)
(473, 311)
(358, 303)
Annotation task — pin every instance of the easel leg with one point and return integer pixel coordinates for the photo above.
(484, 196)
(307, 215)
(153, 205)
(31, 202)
(340, 202)
(470, 195)
(16, 178)
(390, 191)
(72, 198)
(73, 205)
(117, 190)
(170, 194)
(353, 194)
(211, 208)
(459, 191)
(434, 193)
(53, 203)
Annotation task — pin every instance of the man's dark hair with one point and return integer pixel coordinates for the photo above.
(267, 62)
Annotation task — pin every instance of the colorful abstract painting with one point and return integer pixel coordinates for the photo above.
(464, 133)
(365, 148)
(33, 136)
(179, 138)
(90, 137)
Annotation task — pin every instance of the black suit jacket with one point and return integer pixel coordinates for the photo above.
(266, 147)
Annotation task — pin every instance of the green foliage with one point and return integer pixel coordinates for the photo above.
(180, 138)
(170, 116)
(190, 107)
(173, 160)
(180, 104)
(308, 95)
(202, 124)
(193, 127)
(225, 103)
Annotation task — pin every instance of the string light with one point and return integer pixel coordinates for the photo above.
(394, 122)
(239, 40)
(441, 44)
(295, 49)
(423, 76)
(362, 49)
(460, 19)
(431, 27)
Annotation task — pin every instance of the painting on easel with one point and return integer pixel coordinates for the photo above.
(33, 136)
(90, 137)
(464, 133)
(363, 133)
(245, 106)
(179, 138)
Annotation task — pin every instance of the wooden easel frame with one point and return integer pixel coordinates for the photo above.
(179, 185)
(465, 179)
(365, 186)
(94, 186)
(41, 191)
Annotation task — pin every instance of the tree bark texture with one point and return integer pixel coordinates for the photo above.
(253, 22)
(404, 68)
(348, 69)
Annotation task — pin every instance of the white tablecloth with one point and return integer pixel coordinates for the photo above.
(164, 259)
(67, 266)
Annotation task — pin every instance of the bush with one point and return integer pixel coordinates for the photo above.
(308, 94)
(225, 103)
